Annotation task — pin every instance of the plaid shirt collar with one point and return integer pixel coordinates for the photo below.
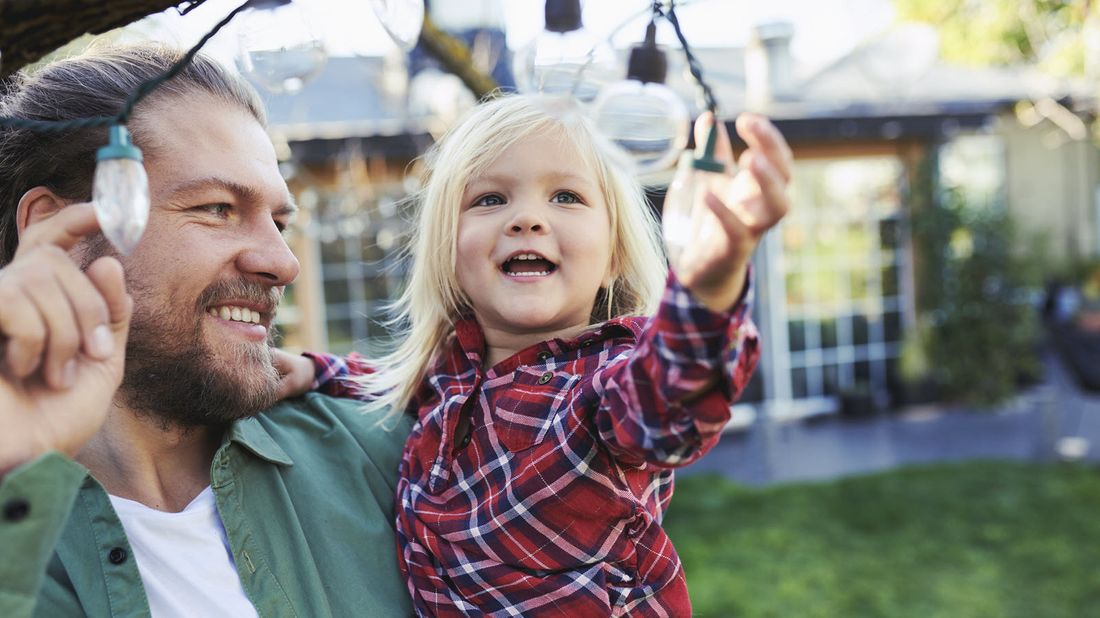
(469, 346)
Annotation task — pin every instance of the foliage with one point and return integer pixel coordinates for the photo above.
(1048, 33)
(960, 540)
(977, 330)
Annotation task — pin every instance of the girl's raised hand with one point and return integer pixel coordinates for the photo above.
(732, 211)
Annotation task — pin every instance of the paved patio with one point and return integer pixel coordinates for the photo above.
(1029, 428)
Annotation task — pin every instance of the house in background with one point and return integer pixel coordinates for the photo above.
(836, 288)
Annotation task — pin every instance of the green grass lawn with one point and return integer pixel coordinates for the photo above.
(981, 539)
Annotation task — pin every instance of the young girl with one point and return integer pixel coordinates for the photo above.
(550, 410)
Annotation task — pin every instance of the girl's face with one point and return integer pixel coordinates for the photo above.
(534, 240)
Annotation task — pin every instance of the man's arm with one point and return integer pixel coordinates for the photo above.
(62, 342)
(35, 501)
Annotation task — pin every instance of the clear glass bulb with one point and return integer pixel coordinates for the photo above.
(120, 192)
(279, 49)
(647, 120)
(402, 20)
(574, 62)
(686, 220)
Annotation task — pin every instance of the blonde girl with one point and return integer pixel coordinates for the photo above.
(557, 370)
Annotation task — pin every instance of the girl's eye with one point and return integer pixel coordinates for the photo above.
(567, 197)
(489, 200)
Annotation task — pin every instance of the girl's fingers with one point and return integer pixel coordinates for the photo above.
(723, 150)
(773, 189)
(762, 136)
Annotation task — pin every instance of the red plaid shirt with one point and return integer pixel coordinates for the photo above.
(553, 504)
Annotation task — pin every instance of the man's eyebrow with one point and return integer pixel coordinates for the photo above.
(242, 191)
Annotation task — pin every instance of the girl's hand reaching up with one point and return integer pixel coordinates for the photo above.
(713, 221)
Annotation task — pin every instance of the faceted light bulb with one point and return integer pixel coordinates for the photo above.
(278, 48)
(574, 62)
(402, 19)
(647, 120)
(120, 191)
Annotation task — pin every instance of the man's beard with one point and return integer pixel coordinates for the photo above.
(173, 376)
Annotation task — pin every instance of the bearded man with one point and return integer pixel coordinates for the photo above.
(183, 492)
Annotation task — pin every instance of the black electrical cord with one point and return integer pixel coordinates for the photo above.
(123, 116)
(693, 63)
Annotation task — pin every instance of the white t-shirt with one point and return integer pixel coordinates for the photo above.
(184, 559)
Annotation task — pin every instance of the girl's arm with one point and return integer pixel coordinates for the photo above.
(318, 371)
(668, 400)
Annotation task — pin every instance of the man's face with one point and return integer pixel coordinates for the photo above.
(211, 267)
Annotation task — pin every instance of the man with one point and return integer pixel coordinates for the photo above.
(181, 496)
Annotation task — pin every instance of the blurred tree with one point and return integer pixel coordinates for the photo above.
(1058, 36)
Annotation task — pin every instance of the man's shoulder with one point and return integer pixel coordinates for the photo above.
(315, 416)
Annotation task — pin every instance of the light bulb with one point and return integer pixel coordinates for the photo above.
(640, 114)
(278, 48)
(565, 58)
(120, 191)
(686, 220)
(402, 20)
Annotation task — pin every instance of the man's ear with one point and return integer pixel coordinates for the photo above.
(36, 205)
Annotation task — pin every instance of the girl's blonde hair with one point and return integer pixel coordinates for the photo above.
(424, 314)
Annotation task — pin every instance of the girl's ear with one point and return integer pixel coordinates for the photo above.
(37, 204)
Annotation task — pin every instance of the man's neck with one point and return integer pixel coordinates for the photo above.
(135, 457)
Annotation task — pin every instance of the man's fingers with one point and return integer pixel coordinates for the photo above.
(91, 309)
(107, 276)
(62, 331)
(64, 229)
(25, 332)
(762, 136)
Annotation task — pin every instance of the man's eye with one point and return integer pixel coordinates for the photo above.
(489, 200)
(567, 197)
(220, 210)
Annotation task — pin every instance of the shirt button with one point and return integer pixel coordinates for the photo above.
(16, 509)
(465, 441)
(586, 343)
(117, 555)
(544, 378)
(544, 355)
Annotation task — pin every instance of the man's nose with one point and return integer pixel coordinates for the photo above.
(268, 256)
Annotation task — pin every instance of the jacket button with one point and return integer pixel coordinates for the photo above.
(16, 509)
(117, 555)
(544, 378)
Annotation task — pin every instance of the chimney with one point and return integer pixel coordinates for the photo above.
(769, 70)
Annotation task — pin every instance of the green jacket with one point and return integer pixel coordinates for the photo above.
(305, 491)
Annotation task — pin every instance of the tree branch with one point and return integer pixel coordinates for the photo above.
(30, 29)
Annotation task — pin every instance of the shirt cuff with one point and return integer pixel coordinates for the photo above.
(721, 344)
(36, 499)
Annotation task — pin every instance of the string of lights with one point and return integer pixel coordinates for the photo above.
(644, 117)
